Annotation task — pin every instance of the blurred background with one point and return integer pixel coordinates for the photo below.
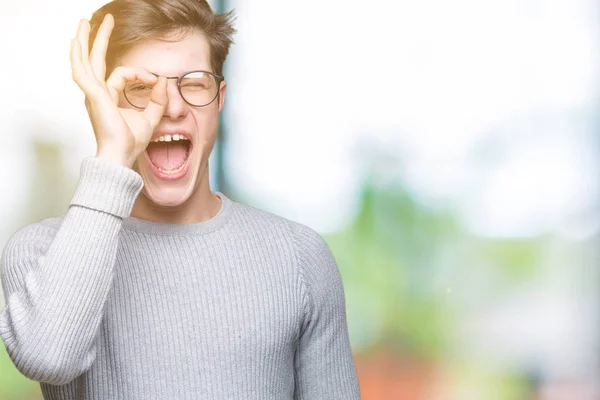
(447, 150)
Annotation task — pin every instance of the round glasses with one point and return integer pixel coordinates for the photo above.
(197, 88)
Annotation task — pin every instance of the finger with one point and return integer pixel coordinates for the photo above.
(81, 77)
(121, 76)
(155, 110)
(83, 33)
(98, 55)
(83, 36)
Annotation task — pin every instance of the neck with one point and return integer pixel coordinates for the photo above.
(201, 206)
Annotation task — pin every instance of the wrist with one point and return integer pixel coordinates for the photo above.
(115, 157)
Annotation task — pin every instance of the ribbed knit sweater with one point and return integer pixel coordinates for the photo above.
(101, 305)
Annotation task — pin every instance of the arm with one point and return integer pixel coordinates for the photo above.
(56, 281)
(324, 368)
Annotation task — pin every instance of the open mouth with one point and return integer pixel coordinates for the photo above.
(169, 155)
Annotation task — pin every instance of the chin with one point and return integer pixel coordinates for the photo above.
(167, 197)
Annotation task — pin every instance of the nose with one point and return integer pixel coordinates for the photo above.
(176, 107)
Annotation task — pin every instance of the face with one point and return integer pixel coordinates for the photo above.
(198, 124)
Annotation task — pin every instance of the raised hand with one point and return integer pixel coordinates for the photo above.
(122, 134)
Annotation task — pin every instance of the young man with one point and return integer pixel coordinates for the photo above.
(151, 286)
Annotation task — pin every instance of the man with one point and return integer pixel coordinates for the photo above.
(151, 286)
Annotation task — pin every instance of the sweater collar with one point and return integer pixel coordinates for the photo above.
(196, 228)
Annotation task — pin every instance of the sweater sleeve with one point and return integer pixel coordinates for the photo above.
(324, 368)
(56, 280)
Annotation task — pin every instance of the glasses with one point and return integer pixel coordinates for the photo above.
(197, 88)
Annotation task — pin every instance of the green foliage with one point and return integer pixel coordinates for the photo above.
(13, 385)
(388, 258)
(517, 259)
(399, 260)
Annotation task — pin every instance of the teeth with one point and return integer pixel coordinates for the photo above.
(168, 138)
(173, 171)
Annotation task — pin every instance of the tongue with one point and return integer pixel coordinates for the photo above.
(167, 155)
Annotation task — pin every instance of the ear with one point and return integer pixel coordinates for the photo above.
(222, 92)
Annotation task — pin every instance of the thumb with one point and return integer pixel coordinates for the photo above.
(155, 110)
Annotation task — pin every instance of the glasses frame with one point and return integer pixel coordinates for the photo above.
(218, 78)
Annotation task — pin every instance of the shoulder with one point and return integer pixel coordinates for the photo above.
(310, 249)
(318, 275)
(306, 241)
(318, 270)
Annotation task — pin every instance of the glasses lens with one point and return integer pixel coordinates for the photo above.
(138, 94)
(199, 88)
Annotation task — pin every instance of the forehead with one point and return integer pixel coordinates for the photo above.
(170, 58)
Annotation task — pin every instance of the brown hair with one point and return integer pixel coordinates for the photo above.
(137, 20)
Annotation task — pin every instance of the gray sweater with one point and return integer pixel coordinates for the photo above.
(101, 305)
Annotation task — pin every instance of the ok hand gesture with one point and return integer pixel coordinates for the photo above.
(122, 134)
